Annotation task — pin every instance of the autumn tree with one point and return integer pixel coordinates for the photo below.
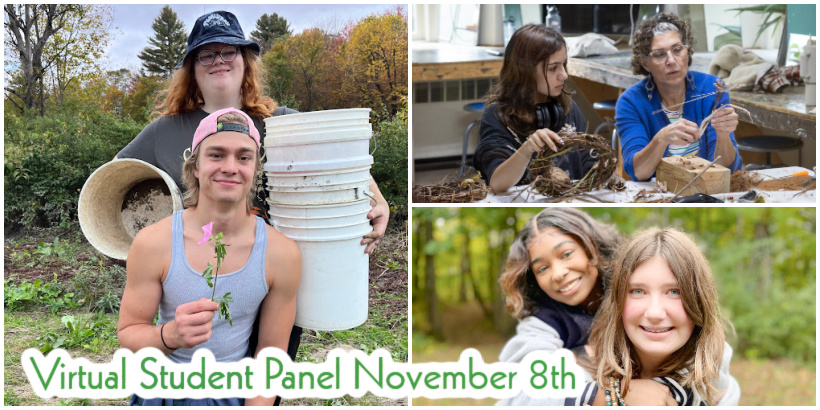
(376, 60)
(307, 58)
(280, 76)
(270, 29)
(107, 91)
(139, 102)
(52, 47)
(168, 45)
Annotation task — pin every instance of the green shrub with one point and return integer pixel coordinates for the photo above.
(390, 162)
(89, 333)
(774, 321)
(93, 283)
(47, 160)
(50, 294)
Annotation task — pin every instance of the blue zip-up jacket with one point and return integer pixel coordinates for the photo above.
(637, 124)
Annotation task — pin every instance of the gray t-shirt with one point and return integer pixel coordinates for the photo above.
(163, 141)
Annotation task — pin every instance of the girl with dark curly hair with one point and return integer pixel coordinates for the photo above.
(527, 108)
(554, 280)
(661, 115)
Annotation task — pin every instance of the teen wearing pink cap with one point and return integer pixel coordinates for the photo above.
(262, 267)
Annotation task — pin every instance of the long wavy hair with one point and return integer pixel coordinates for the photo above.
(183, 95)
(646, 32)
(600, 242)
(697, 363)
(515, 93)
(191, 182)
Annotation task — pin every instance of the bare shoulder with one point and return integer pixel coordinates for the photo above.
(155, 237)
(151, 249)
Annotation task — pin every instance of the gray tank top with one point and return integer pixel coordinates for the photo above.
(248, 288)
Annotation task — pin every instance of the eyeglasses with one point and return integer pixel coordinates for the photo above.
(662, 56)
(207, 57)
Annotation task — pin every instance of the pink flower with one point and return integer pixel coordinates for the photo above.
(206, 229)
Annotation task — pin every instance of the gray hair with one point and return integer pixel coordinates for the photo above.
(664, 27)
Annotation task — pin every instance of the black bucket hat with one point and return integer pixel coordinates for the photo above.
(217, 27)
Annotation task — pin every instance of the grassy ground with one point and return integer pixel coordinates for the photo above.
(762, 383)
(85, 285)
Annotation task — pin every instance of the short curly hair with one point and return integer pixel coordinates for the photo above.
(642, 39)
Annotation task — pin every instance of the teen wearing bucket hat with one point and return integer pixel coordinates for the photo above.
(217, 27)
(213, 76)
(263, 266)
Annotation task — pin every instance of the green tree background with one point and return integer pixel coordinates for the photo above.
(269, 29)
(167, 46)
(763, 260)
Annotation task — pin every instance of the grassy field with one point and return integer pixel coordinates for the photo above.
(48, 281)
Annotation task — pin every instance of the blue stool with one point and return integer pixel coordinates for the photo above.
(769, 144)
(472, 107)
(608, 105)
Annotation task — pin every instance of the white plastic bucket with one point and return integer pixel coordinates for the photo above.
(316, 231)
(328, 194)
(339, 221)
(308, 167)
(318, 126)
(318, 116)
(333, 291)
(318, 165)
(317, 146)
(332, 294)
(318, 169)
(316, 179)
(319, 135)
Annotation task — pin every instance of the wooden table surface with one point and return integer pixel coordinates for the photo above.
(451, 62)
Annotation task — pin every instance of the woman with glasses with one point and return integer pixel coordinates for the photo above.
(661, 115)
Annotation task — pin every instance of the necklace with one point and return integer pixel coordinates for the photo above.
(675, 113)
(613, 394)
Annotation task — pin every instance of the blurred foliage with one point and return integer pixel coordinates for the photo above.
(141, 97)
(390, 162)
(47, 160)
(763, 260)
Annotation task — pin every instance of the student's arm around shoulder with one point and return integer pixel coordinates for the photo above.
(531, 334)
(283, 270)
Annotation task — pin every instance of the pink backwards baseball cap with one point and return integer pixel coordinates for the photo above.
(210, 126)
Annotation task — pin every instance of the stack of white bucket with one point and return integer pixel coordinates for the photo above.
(318, 171)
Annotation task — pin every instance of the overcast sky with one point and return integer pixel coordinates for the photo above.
(133, 22)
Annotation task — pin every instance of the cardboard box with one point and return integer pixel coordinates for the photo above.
(678, 171)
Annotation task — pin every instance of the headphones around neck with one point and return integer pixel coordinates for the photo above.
(550, 115)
